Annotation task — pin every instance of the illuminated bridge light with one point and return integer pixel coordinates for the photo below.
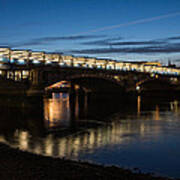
(138, 88)
(124, 69)
(86, 66)
(35, 62)
(4, 59)
(108, 67)
(118, 68)
(77, 65)
(48, 62)
(99, 66)
(62, 64)
(12, 61)
(20, 61)
(90, 66)
(25, 56)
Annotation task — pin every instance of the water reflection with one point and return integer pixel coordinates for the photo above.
(110, 133)
(174, 106)
(155, 113)
(23, 140)
(57, 110)
(71, 146)
(138, 105)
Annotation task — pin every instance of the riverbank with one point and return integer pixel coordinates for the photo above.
(17, 165)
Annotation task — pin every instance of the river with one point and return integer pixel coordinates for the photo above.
(142, 134)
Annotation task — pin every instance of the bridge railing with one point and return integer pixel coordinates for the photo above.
(162, 70)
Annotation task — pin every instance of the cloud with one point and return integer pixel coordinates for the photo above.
(79, 37)
(50, 39)
(174, 38)
(107, 42)
(170, 48)
(176, 60)
(101, 42)
(137, 43)
(21, 25)
(32, 43)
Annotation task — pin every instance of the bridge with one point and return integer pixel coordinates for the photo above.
(39, 71)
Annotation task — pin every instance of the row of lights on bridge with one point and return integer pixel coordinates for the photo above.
(63, 64)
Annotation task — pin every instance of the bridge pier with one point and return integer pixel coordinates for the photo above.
(78, 102)
(36, 87)
(35, 91)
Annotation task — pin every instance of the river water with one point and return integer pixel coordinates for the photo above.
(143, 133)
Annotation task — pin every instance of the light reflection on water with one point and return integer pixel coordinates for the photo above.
(147, 137)
(57, 110)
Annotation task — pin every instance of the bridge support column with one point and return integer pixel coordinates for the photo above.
(72, 102)
(82, 102)
(78, 103)
(36, 88)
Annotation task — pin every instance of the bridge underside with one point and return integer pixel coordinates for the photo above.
(98, 85)
(156, 84)
(102, 81)
(158, 87)
(94, 85)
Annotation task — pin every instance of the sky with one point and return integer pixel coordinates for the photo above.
(123, 30)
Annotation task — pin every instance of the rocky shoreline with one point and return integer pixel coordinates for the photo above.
(17, 165)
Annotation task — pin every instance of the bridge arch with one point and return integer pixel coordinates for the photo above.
(111, 78)
(90, 82)
(154, 84)
(59, 84)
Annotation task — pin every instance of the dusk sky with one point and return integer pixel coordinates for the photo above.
(116, 29)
